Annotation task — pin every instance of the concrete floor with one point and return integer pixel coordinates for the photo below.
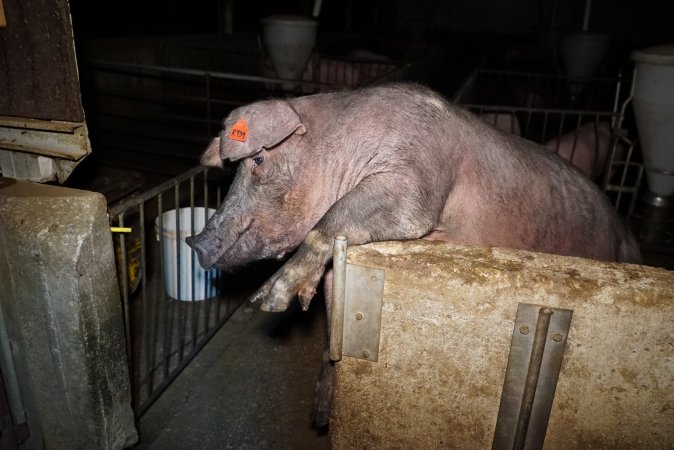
(251, 387)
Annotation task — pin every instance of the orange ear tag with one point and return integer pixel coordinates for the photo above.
(239, 131)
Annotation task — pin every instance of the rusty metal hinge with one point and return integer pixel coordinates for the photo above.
(355, 319)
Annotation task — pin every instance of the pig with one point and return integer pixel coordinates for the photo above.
(503, 121)
(390, 162)
(586, 148)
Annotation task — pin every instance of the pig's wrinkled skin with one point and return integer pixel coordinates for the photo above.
(389, 163)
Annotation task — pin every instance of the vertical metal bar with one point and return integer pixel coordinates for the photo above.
(219, 280)
(616, 102)
(576, 135)
(531, 382)
(125, 293)
(208, 103)
(165, 303)
(193, 318)
(336, 312)
(528, 123)
(143, 274)
(207, 305)
(544, 130)
(635, 189)
(179, 272)
(159, 298)
(562, 118)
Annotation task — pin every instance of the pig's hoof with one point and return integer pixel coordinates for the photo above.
(272, 308)
(272, 296)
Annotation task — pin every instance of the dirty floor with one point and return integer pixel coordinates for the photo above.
(251, 387)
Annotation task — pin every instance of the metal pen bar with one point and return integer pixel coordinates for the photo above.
(576, 135)
(154, 192)
(531, 381)
(148, 70)
(125, 292)
(164, 302)
(207, 304)
(208, 104)
(193, 319)
(143, 407)
(147, 348)
(179, 274)
(218, 279)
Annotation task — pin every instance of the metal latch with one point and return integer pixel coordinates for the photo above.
(536, 352)
(355, 318)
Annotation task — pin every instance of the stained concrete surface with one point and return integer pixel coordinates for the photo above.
(442, 388)
(63, 316)
(251, 387)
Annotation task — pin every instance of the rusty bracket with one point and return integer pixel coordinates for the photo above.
(536, 352)
(358, 294)
(51, 138)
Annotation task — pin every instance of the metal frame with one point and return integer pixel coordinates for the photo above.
(562, 107)
(163, 334)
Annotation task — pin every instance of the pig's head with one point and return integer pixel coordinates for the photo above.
(264, 214)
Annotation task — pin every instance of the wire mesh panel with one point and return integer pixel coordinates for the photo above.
(142, 112)
(169, 314)
(581, 121)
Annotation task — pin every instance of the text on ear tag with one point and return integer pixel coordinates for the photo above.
(239, 131)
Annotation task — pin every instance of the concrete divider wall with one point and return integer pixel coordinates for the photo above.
(447, 322)
(63, 314)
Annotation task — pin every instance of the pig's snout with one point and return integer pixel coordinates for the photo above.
(199, 244)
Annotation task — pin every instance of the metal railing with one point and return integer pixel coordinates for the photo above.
(544, 107)
(163, 334)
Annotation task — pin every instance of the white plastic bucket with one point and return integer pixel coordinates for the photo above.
(179, 272)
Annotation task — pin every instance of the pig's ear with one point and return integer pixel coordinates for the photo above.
(211, 156)
(264, 124)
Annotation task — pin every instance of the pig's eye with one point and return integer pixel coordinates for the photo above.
(258, 160)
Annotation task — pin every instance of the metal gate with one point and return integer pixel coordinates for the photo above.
(546, 107)
(163, 333)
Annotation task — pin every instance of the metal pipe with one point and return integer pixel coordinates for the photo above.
(533, 372)
(150, 69)
(147, 348)
(179, 274)
(207, 305)
(163, 303)
(154, 192)
(125, 293)
(193, 323)
(338, 298)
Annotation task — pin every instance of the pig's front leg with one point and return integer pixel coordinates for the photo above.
(385, 206)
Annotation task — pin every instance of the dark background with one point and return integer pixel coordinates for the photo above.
(628, 21)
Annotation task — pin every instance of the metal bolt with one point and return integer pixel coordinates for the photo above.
(524, 329)
(366, 354)
(557, 337)
(359, 316)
